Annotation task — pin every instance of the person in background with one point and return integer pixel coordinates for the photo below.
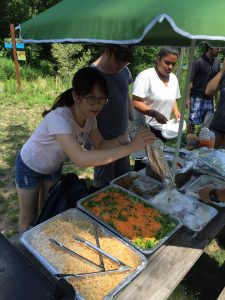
(215, 196)
(218, 122)
(113, 118)
(155, 92)
(199, 103)
(62, 133)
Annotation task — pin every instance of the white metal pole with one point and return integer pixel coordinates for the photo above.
(179, 70)
(183, 107)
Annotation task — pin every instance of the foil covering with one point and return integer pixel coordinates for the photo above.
(158, 162)
(205, 161)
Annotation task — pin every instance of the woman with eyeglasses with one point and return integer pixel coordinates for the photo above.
(62, 133)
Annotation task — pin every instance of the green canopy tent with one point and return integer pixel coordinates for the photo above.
(128, 22)
(143, 22)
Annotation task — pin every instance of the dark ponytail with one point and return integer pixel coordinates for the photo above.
(83, 83)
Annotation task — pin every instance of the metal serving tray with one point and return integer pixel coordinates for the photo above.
(36, 240)
(191, 212)
(141, 185)
(132, 198)
(202, 181)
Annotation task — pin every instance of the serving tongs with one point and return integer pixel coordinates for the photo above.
(91, 274)
(82, 241)
(75, 254)
(122, 268)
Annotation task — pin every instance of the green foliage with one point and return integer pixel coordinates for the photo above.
(18, 11)
(40, 56)
(144, 57)
(70, 58)
(47, 68)
(7, 70)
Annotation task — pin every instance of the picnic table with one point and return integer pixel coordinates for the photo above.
(166, 267)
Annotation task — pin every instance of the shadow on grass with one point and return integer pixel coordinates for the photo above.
(205, 280)
(12, 138)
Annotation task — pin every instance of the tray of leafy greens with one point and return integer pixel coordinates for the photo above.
(131, 217)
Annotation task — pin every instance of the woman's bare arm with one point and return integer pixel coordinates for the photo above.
(146, 110)
(84, 158)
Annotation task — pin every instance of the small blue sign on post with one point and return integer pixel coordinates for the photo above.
(8, 44)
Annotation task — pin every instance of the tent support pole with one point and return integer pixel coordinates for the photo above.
(180, 64)
(183, 107)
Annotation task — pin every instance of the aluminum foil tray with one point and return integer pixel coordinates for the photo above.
(202, 181)
(61, 228)
(191, 212)
(130, 217)
(139, 184)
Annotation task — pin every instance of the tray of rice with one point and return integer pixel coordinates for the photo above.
(97, 272)
(194, 214)
(131, 217)
(203, 181)
(139, 184)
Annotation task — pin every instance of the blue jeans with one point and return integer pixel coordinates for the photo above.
(28, 179)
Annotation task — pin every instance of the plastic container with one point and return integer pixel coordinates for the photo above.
(206, 138)
(139, 184)
(194, 214)
(212, 137)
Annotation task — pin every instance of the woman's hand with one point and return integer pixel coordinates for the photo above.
(204, 194)
(176, 115)
(142, 139)
(160, 118)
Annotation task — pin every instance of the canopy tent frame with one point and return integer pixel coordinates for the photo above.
(150, 22)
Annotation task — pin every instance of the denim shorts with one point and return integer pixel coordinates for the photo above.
(28, 179)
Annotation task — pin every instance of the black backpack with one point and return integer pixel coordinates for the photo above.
(63, 195)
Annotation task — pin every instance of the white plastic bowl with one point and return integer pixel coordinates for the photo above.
(170, 129)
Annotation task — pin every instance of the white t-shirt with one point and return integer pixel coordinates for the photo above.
(156, 95)
(42, 152)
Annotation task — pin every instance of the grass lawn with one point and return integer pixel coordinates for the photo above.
(19, 115)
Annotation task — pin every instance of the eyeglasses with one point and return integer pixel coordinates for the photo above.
(92, 100)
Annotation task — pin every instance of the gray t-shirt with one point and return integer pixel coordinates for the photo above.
(218, 122)
(113, 118)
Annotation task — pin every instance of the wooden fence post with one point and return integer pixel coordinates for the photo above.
(18, 78)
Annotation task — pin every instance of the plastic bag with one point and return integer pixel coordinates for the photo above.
(158, 163)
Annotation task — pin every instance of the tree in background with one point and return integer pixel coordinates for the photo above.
(70, 58)
(18, 11)
(144, 58)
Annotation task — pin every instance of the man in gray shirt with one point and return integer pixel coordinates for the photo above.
(113, 118)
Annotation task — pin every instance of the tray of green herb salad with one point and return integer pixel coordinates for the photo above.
(131, 217)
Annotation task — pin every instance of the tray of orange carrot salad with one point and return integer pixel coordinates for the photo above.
(130, 217)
